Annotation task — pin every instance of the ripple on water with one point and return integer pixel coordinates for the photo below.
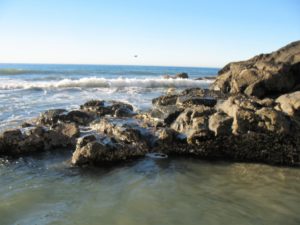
(46, 189)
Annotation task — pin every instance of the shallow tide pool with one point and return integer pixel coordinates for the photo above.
(46, 189)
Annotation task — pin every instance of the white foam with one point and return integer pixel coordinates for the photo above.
(94, 82)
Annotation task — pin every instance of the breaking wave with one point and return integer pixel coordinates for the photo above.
(94, 82)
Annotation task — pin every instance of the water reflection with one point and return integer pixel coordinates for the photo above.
(46, 189)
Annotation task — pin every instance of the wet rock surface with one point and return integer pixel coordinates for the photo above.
(235, 121)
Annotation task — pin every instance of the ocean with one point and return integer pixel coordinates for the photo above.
(27, 90)
(46, 189)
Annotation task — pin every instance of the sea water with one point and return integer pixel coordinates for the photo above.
(46, 189)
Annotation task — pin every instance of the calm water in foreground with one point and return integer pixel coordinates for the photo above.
(46, 189)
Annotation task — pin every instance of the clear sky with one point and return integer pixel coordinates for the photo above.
(161, 32)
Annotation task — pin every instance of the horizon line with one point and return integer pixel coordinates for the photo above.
(96, 64)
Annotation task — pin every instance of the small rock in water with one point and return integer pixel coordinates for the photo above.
(157, 155)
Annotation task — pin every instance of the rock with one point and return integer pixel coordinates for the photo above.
(264, 75)
(112, 108)
(124, 112)
(37, 138)
(220, 124)
(9, 140)
(198, 137)
(182, 75)
(102, 150)
(206, 78)
(204, 93)
(171, 91)
(192, 119)
(50, 117)
(250, 114)
(165, 100)
(168, 137)
(274, 121)
(53, 117)
(125, 130)
(176, 76)
(289, 104)
(189, 101)
(165, 114)
(78, 117)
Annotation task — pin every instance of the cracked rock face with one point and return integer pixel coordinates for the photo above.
(263, 75)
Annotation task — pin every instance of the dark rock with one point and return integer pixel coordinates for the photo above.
(182, 75)
(112, 108)
(176, 76)
(189, 101)
(37, 138)
(166, 114)
(263, 75)
(124, 112)
(50, 117)
(77, 116)
(165, 100)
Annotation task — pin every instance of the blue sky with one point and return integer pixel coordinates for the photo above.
(161, 32)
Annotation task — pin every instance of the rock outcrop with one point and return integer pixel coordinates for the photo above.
(235, 122)
(263, 75)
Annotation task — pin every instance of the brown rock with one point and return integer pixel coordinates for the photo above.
(263, 75)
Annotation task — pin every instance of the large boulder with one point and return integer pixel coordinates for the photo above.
(101, 149)
(263, 75)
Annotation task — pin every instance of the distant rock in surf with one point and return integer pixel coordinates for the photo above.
(178, 75)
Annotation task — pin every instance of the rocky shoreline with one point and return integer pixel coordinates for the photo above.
(250, 114)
